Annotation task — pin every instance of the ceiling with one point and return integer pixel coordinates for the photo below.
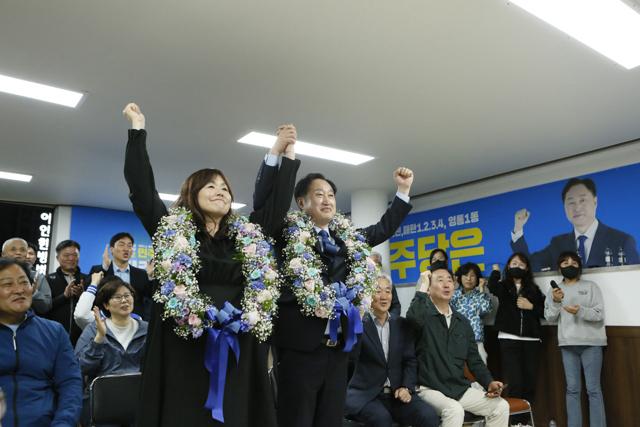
(456, 90)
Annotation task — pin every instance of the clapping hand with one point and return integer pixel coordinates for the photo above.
(96, 277)
(403, 177)
(424, 281)
(134, 114)
(106, 259)
(101, 326)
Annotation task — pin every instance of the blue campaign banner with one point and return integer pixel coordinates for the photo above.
(480, 230)
(93, 228)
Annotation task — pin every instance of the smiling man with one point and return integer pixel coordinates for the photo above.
(121, 248)
(382, 388)
(445, 343)
(39, 373)
(590, 237)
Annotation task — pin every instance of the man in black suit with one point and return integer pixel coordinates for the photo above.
(590, 238)
(121, 248)
(312, 369)
(382, 388)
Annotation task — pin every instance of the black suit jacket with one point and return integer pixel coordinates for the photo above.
(372, 369)
(605, 237)
(139, 281)
(305, 333)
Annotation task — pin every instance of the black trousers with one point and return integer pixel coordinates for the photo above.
(520, 369)
(312, 387)
(384, 410)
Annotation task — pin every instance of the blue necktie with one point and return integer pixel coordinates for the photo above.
(581, 249)
(327, 245)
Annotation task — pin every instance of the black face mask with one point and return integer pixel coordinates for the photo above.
(570, 272)
(516, 272)
(438, 264)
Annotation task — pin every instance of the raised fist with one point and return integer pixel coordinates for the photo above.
(133, 113)
(403, 177)
(520, 219)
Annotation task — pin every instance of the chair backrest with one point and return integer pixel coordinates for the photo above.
(113, 399)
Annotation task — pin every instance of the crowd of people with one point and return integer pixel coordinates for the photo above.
(207, 319)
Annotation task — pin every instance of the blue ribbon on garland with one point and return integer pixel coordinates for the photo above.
(344, 307)
(220, 340)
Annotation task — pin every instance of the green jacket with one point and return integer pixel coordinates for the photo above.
(442, 352)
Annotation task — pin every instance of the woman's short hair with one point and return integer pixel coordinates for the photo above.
(574, 256)
(464, 269)
(189, 196)
(108, 288)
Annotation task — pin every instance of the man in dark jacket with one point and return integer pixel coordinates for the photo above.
(67, 283)
(39, 373)
(312, 366)
(384, 381)
(121, 248)
(446, 343)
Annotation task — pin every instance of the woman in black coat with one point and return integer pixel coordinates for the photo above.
(521, 306)
(175, 382)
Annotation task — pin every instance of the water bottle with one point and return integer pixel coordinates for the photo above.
(621, 256)
(608, 255)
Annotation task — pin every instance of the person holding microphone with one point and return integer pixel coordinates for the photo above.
(578, 307)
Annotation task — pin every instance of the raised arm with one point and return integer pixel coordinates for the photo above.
(396, 213)
(139, 174)
(274, 185)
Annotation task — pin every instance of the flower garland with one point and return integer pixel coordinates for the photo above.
(302, 266)
(176, 265)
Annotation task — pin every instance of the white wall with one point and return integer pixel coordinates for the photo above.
(61, 231)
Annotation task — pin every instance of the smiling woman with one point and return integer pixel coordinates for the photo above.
(204, 288)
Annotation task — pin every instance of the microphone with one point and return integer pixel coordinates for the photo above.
(554, 285)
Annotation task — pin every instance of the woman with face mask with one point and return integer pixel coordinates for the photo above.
(438, 259)
(578, 307)
(521, 306)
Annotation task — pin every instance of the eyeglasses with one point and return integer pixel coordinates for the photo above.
(122, 298)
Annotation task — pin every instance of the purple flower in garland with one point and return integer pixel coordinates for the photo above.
(292, 230)
(257, 285)
(169, 233)
(357, 256)
(167, 287)
(297, 283)
(307, 256)
(184, 260)
(361, 238)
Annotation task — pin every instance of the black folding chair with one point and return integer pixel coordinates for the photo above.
(113, 399)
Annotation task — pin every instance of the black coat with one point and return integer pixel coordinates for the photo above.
(372, 369)
(295, 331)
(511, 319)
(139, 281)
(174, 380)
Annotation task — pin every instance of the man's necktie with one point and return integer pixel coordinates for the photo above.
(327, 245)
(581, 249)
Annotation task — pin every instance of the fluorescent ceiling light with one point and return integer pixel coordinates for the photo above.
(306, 148)
(173, 197)
(607, 26)
(39, 91)
(15, 176)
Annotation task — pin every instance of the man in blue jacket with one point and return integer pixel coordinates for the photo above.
(39, 373)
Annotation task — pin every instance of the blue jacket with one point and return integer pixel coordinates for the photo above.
(39, 374)
(109, 357)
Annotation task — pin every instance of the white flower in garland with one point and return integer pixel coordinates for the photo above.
(303, 266)
(176, 265)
